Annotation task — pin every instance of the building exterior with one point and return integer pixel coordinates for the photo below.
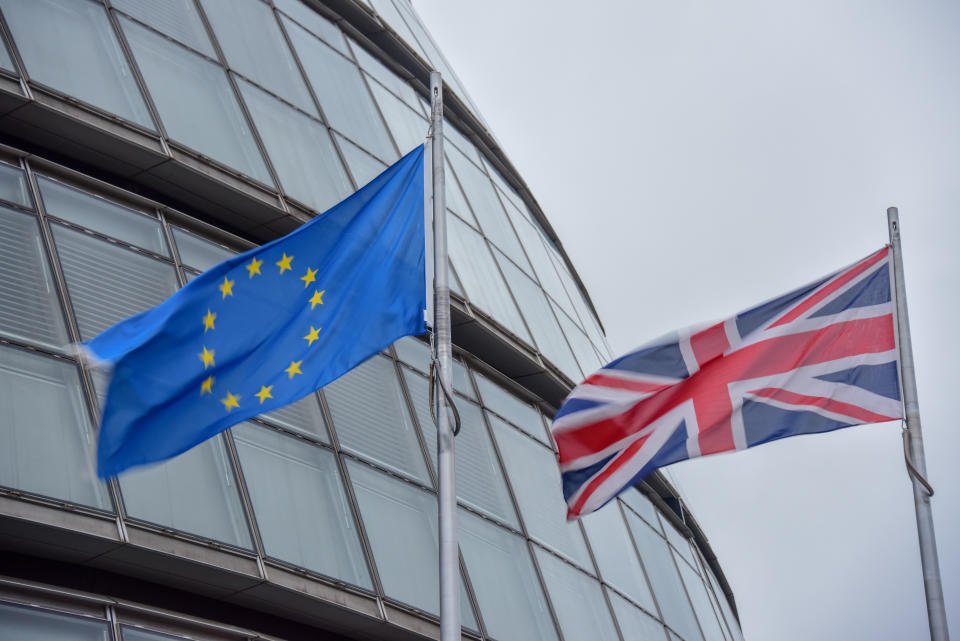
(143, 141)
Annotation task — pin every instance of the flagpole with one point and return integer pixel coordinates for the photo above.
(916, 465)
(446, 479)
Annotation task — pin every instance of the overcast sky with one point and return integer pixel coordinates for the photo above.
(696, 158)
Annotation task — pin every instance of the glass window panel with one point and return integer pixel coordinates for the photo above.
(108, 283)
(301, 150)
(401, 523)
(409, 128)
(613, 549)
(417, 353)
(28, 301)
(342, 92)
(392, 18)
(69, 45)
(511, 408)
(195, 102)
(480, 482)
(194, 492)
(301, 416)
(535, 479)
(254, 46)
(667, 587)
(510, 196)
(701, 603)
(486, 206)
(5, 61)
(732, 624)
(456, 202)
(46, 439)
(390, 80)
(677, 540)
(197, 252)
(580, 304)
(582, 348)
(363, 166)
(371, 418)
(453, 135)
(299, 501)
(511, 602)
(481, 278)
(542, 264)
(577, 601)
(634, 622)
(30, 624)
(176, 18)
(314, 22)
(136, 634)
(13, 184)
(102, 215)
(540, 317)
(642, 506)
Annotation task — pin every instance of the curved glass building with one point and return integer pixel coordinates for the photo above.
(142, 141)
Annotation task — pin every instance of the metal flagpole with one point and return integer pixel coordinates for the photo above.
(447, 503)
(916, 465)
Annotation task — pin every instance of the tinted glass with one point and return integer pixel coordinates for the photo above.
(176, 18)
(29, 624)
(196, 102)
(577, 601)
(46, 439)
(69, 45)
(197, 252)
(13, 184)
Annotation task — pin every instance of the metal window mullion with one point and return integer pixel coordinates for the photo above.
(531, 550)
(408, 400)
(15, 57)
(599, 576)
(714, 601)
(686, 591)
(73, 332)
(491, 248)
(636, 550)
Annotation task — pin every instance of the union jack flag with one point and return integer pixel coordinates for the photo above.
(817, 359)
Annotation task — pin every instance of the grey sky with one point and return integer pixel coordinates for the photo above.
(697, 158)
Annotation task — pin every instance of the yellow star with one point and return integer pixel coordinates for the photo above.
(254, 267)
(294, 368)
(312, 336)
(284, 263)
(309, 278)
(230, 401)
(206, 357)
(264, 393)
(226, 287)
(208, 321)
(317, 298)
(206, 387)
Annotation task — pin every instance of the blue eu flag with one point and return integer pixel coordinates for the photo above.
(269, 326)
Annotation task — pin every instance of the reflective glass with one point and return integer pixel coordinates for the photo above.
(343, 95)
(712, 630)
(480, 482)
(511, 602)
(19, 623)
(13, 184)
(46, 439)
(642, 506)
(176, 18)
(108, 283)
(5, 61)
(387, 78)
(732, 624)
(486, 206)
(302, 416)
(511, 408)
(299, 501)
(677, 540)
(542, 264)
(401, 524)
(481, 278)
(103, 216)
(658, 561)
(389, 14)
(613, 549)
(456, 201)
(580, 304)
(453, 135)
(634, 622)
(408, 127)
(28, 301)
(254, 46)
(582, 348)
(197, 252)
(194, 492)
(371, 418)
(313, 22)
(535, 479)
(363, 166)
(417, 353)
(577, 601)
(69, 45)
(301, 150)
(136, 634)
(540, 317)
(196, 102)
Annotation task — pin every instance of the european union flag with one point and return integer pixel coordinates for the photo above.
(269, 326)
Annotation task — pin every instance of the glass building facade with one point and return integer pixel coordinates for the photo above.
(142, 142)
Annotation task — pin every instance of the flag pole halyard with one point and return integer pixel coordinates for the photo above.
(916, 465)
(446, 479)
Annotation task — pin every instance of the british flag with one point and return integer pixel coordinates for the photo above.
(817, 359)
